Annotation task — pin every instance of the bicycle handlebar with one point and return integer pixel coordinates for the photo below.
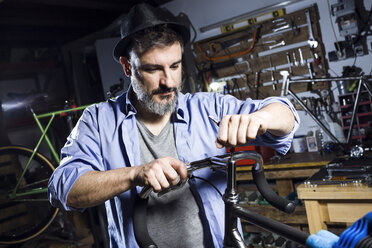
(220, 162)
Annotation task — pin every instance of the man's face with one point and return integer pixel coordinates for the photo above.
(156, 77)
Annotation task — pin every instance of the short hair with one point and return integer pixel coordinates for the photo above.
(160, 35)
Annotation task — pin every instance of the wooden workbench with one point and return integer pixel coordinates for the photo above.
(334, 204)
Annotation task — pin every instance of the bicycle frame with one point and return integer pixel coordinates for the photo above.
(44, 135)
(233, 211)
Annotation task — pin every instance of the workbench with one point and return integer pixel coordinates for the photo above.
(334, 204)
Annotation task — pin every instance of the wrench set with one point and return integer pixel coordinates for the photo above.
(259, 58)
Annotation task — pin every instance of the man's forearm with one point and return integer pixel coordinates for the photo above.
(279, 118)
(95, 187)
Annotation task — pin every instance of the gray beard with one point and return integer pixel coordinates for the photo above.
(148, 103)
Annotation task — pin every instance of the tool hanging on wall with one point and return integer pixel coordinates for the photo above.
(252, 21)
(274, 82)
(291, 41)
(312, 42)
(289, 62)
(233, 55)
(257, 83)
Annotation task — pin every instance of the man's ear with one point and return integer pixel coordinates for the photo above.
(126, 66)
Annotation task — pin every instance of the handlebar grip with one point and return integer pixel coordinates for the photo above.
(266, 191)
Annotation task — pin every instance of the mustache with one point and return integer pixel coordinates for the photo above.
(164, 90)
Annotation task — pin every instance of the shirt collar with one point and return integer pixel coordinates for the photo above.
(128, 107)
(181, 113)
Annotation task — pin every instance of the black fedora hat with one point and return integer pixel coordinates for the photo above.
(143, 16)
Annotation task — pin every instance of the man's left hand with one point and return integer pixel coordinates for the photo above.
(239, 129)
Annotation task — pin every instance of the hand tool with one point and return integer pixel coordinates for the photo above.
(295, 62)
(282, 43)
(289, 62)
(268, 41)
(285, 75)
(214, 120)
(277, 20)
(278, 24)
(232, 149)
(280, 28)
(257, 83)
(257, 79)
(232, 55)
(302, 61)
(312, 42)
(272, 74)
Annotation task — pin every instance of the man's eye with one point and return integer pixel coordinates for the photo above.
(150, 70)
(175, 66)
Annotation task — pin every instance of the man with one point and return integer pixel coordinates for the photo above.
(145, 136)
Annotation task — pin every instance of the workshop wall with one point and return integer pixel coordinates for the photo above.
(208, 12)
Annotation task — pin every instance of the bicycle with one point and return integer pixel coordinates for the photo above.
(25, 211)
(231, 198)
(354, 236)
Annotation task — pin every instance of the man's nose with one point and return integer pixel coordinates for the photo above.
(166, 78)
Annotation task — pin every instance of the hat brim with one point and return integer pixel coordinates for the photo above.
(122, 44)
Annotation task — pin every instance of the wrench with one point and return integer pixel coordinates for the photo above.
(268, 41)
(272, 74)
(294, 58)
(312, 42)
(280, 28)
(302, 61)
(289, 62)
(285, 75)
(282, 43)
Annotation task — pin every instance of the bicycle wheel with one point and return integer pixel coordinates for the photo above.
(24, 216)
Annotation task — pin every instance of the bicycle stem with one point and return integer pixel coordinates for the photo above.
(232, 238)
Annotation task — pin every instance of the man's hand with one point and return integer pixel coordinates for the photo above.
(239, 129)
(161, 173)
(275, 118)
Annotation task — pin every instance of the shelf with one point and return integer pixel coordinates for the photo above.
(363, 116)
(358, 115)
(351, 105)
(357, 126)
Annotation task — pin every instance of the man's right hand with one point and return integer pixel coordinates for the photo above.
(160, 173)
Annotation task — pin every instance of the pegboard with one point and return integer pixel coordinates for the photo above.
(251, 58)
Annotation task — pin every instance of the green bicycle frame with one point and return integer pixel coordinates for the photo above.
(44, 135)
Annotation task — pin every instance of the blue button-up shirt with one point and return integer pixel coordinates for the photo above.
(106, 138)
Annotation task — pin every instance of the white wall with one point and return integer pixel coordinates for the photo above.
(207, 12)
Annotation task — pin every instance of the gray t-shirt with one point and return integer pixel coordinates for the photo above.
(173, 219)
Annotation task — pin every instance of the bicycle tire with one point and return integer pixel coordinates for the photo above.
(27, 216)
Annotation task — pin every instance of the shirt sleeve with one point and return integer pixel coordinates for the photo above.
(80, 154)
(231, 105)
(280, 144)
